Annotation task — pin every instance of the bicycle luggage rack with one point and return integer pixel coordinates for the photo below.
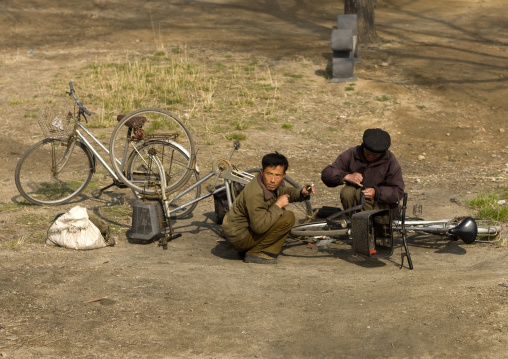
(372, 233)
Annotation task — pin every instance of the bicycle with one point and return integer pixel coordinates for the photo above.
(372, 232)
(58, 168)
(183, 201)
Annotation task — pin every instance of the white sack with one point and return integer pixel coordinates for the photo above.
(75, 230)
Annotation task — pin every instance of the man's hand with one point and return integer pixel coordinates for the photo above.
(369, 193)
(354, 178)
(282, 201)
(308, 189)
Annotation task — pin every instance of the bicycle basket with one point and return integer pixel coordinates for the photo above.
(55, 122)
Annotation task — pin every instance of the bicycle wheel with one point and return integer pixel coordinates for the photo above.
(139, 127)
(300, 209)
(175, 161)
(53, 171)
(318, 229)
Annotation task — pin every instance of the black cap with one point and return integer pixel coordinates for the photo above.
(376, 140)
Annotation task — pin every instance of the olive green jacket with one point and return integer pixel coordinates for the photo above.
(254, 209)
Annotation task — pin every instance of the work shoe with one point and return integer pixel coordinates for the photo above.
(249, 258)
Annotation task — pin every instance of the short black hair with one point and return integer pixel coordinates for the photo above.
(273, 160)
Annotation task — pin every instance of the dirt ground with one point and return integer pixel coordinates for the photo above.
(446, 65)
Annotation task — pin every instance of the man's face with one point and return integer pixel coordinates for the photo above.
(272, 177)
(371, 156)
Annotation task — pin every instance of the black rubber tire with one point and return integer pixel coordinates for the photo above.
(179, 160)
(35, 177)
(160, 124)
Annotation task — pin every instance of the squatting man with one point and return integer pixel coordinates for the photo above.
(258, 223)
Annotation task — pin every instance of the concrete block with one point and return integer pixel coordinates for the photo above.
(348, 21)
(342, 39)
(343, 70)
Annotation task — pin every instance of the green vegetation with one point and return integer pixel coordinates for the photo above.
(488, 204)
(6, 207)
(350, 87)
(383, 98)
(236, 136)
(173, 81)
(293, 76)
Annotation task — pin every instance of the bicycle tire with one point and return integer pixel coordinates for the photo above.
(144, 125)
(318, 229)
(136, 172)
(41, 182)
(304, 207)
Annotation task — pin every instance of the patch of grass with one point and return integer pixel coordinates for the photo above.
(421, 107)
(487, 207)
(241, 125)
(287, 126)
(350, 87)
(6, 207)
(383, 98)
(32, 219)
(15, 244)
(34, 227)
(30, 115)
(15, 102)
(293, 76)
(117, 211)
(236, 136)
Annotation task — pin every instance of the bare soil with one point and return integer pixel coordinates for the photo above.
(444, 63)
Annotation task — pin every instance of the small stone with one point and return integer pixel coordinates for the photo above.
(421, 158)
(501, 130)
(384, 64)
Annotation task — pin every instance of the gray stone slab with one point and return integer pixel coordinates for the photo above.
(343, 69)
(343, 39)
(348, 21)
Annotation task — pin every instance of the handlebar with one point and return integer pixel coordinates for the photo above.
(78, 102)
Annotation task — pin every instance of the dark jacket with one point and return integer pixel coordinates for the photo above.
(384, 175)
(254, 209)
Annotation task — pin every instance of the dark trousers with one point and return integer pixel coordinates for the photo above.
(271, 241)
(350, 197)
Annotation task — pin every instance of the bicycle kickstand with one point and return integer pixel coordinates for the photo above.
(404, 234)
(406, 254)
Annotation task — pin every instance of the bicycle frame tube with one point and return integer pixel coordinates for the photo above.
(57, 165)
(95, 140)
(94, 151)
(190, 188)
